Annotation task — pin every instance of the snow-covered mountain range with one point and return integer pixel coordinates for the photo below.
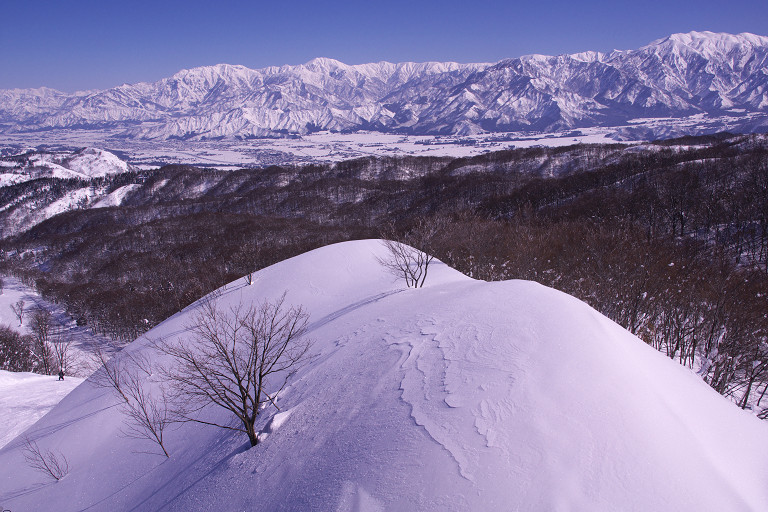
(711, 74)
(462, 395)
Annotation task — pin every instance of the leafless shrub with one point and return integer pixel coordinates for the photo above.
(45, 461)
(41, 326)
(235, 356)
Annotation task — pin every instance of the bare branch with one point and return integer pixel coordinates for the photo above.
(18, 310)
(45, 461)
(410, 254)
(148, 413)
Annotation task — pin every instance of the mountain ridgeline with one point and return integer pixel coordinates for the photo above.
(704, 73)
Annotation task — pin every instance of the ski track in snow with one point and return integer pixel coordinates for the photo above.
(349, 309)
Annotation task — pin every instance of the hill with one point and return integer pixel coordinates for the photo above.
(462, 395)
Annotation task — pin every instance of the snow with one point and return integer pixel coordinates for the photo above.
(26, 397)
(462, 395)
(317, 147)
(275, 423)
(62, 164)
(12, 293)
(117, 197)
(93, 162)
(84, 342)
(69, 201)
(7, 179)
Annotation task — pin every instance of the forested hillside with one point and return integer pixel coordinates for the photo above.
(668, 239)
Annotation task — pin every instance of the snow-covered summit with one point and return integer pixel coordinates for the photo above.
(463, 395)
(324, 64)
(94, 162)
(702, 40)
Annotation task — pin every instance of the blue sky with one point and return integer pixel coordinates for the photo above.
(83, 44)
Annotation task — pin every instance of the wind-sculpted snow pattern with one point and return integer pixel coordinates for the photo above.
(712, 74)
(467, 367)
(462, 395)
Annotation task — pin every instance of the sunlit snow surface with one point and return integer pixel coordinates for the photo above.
(26, 397)
(463, 395)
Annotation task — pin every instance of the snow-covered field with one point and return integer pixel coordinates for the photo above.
(463, 395)
(318, 147)
(230, 153)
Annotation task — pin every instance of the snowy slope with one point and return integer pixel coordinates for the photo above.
(83, 164)
(26, 397)
(463, 395)
(93, 162)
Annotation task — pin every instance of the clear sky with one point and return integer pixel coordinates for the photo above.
(95, 44)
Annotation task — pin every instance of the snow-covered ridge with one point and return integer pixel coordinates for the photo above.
(462, 395)
(83, 164)
(680, 75)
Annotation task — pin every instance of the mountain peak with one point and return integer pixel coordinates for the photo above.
(225, 70)
(324, 64)
(706, 38)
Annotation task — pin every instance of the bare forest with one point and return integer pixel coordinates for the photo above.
(669, 239)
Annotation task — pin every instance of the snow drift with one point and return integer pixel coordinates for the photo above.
(462, 395)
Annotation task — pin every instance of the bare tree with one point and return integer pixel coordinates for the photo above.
(235, 357)
(15, 350)
(247, 259)
(406, 262)
(18, 310)
(42, 332)
(2, 285)
(61, 343)
(410, 254)
(55, 466)
(129, 377)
